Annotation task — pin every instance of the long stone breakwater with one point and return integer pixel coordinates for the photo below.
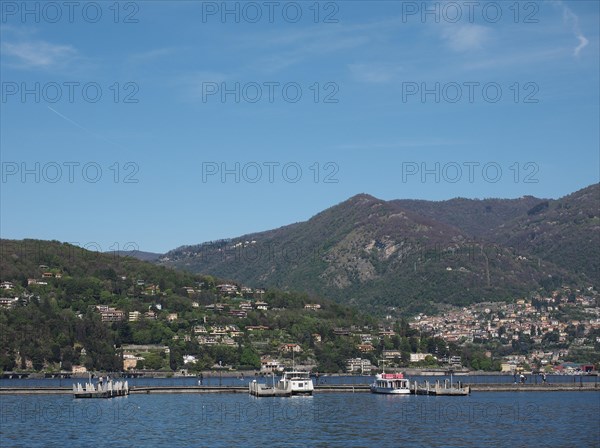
(585, 387)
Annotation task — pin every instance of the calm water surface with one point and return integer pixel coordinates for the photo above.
(525, 419)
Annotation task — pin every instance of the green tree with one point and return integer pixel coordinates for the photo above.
(153, 361)
(250, 357)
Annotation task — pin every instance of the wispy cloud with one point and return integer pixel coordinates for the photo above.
(376, 73)
(465, 37)
(399, 144)
(37, 54)
(572, 20)
(521, 58)
(152, 55)
(192, 84)
(294, 48)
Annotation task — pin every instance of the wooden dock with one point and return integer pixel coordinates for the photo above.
(262, 390)
(440, 389)
(109, 389)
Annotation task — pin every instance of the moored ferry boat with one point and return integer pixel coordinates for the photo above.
(390, 383)
(300, 382)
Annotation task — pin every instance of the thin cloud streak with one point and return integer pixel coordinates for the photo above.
(401, 144)
(572, 20)
(38, 54)
(74, 123)
(375, 73)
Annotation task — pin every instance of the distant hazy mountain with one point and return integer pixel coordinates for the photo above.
(140, 255)
(411, 253)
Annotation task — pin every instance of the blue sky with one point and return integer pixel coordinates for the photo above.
(164, 124)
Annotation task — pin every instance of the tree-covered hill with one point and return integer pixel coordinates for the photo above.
(475, 217)
(564, 231)
(412, 254)
(23, 259)
(64, 306)
(58, 285)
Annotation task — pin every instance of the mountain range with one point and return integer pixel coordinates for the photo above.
(414, 253)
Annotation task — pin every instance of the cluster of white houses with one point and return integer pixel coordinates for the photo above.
(510, 320)
(364, 366)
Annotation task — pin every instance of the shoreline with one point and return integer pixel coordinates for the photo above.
(342, 388)
(250, 373)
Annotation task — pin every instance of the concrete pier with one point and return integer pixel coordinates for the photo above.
(262, 390)
(109, 389)
(440, 389)
(589, 387)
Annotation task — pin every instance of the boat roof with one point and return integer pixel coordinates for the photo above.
(392, 376)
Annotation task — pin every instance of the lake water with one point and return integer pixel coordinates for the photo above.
(524, 419)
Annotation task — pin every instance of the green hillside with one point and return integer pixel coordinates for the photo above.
(64, 306)
(411, 254)
(565, 231)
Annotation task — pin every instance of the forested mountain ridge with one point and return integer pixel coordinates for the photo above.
(414, 253)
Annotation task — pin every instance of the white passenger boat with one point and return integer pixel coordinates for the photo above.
(390, 383)
(300, 382)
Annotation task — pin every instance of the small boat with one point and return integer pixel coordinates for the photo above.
(390, 383)
(300, 382)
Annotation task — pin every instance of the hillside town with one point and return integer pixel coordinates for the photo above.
(553, 326)
(542, 332)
